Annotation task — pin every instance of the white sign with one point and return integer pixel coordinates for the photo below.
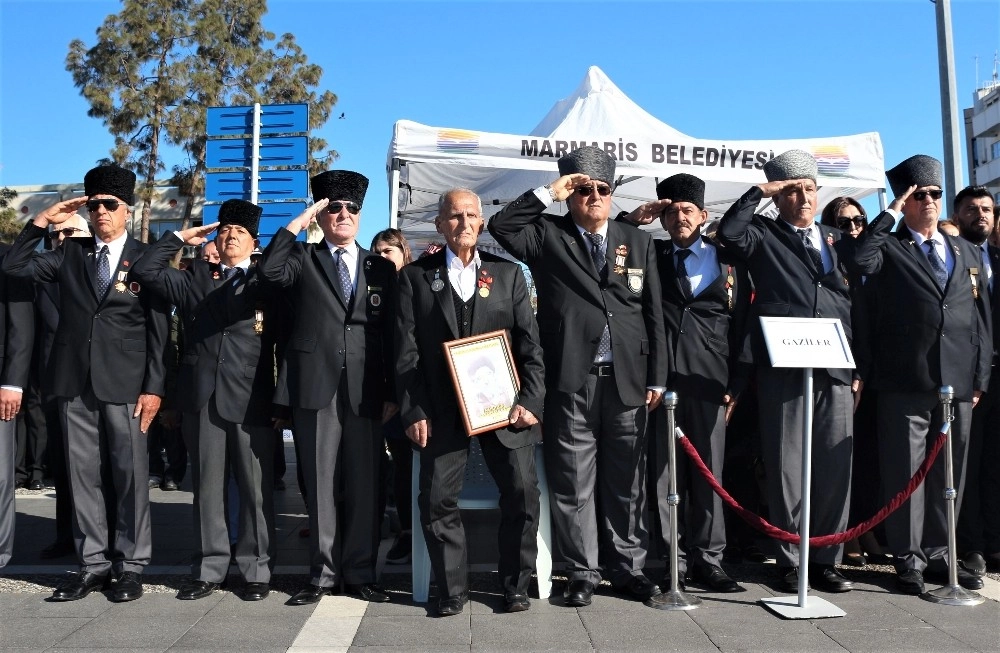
(819, 343)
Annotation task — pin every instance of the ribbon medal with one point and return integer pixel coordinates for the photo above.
(620, 253)
(437, 285)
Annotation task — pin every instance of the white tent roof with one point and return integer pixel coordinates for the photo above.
(425, 161)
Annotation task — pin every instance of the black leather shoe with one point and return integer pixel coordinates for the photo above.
(639, 588)
(256, 591)
(910, 581)
(37, 485)
(309, 595)
(196, 589)
(369, 592)
(128, 587)
(788, 579)
(974, 563)
(578, 593)
(449, 606)
(716, 579)
(57, 550)
(966, 579)
(78, 586)
(169, 485)
(826, 578)
(154, 483)
(516, 602)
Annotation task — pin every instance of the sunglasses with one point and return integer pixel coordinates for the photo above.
(66, 231)
(336, 207)
(921, 195)
(602, 190)
(845, 223)
(109, 204)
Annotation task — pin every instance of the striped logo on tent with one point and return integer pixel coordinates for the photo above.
(832, 160)
(457, 140)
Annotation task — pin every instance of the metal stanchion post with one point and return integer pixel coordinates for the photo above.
(673, 598)
(952, 593)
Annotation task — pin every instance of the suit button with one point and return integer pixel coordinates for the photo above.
(340, 351)
(687, 309)
(348, 328)
(945, 307)
(610, 314)
(819, 284)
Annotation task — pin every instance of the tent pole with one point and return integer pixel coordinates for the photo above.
(394, 195)
(881, 199)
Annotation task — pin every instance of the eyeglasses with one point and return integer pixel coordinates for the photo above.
(921, 195)
(337, 207)
(602, 189)
(109, 204)
(66, 231)
(845, 223)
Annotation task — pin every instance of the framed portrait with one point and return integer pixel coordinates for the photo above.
(485, 380)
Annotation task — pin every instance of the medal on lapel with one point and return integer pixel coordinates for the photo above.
(437, 285)
(635, 280)
(484, 283)
(829, 240)
(974, 277)
(120, 285)
(620, 253)
(374, 298)
(730, 281)
(258, 321)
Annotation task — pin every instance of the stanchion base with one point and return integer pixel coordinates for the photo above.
(953, 595)
(815, 607)
(674, 600)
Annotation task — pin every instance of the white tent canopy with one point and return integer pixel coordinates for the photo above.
(425, 161)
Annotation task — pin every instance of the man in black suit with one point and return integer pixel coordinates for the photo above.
(979, 521)
(799, 270)
(601, 329)
(458, 293)
(17, 335)
(224, 389)
(706, 294)
(107, 369)
(931, 329)
(337, 377)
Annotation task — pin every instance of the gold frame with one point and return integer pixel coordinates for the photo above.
(464, 357)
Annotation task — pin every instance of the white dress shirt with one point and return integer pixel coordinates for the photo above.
(815, 237)
(702, 266)
(462, 277)
(115, 249)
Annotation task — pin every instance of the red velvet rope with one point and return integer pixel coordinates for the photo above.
(764, 526)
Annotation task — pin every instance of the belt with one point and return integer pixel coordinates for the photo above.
(602, 369)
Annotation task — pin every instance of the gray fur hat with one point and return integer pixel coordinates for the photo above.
(793, 164)
(920, 170)
(591, 161)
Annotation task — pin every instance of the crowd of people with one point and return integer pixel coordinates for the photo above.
(115, 355)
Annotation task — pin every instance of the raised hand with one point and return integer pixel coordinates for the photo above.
(197, 235)
(306, 217)
(61, 212)
(648, 212)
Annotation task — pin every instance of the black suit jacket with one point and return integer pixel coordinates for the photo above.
(427, 318)
(786, 283)
(924, 337)
(705, 334)
(574, 304)
(17, 329)
(329, 338)
(119, 342)
(222, 351)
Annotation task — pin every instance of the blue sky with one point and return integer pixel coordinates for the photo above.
(732, 70)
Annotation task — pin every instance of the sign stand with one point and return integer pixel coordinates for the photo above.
(805, 343)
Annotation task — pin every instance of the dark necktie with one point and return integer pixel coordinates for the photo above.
(936, 264)
(682, 273)
(103, 272)
(343, 275)
(601, 263)
(811, 250)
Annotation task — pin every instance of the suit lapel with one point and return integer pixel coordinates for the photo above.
(793, 241)
(919, 254)
(482, 304)
(90, 263)
(325, 261)
(442, 297)
(577, 247)
(124, 264)
(361, 287)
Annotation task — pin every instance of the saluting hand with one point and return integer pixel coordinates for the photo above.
(197, 235)
(520, 417)
(61, 212)
(419, 432)
(565, 185)
(897, 202)
(146, 407)
(772, 188)
(305, 218)
(648, 212)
